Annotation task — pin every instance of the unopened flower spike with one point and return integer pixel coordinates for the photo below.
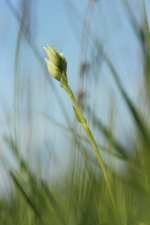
(56, 63)
(57, 66)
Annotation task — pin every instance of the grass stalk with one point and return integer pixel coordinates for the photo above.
(57, 67)
(92, 141)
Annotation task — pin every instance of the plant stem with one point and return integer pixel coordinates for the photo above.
(87, 130)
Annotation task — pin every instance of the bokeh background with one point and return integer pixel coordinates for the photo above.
(99, 38)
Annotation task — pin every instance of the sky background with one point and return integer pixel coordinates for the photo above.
(62, 24)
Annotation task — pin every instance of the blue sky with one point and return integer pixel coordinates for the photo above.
(57, 24)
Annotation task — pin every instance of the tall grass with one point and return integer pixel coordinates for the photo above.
(79, 194)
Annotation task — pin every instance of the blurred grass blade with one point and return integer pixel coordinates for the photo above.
(26, 195)
(122, 151)
(147, 33)
(54, 203)
(135, 113)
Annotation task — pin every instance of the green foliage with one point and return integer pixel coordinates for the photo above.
(79, 196)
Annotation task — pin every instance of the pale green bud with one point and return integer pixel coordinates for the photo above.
(56, 63)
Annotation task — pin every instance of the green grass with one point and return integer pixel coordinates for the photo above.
(89, 191)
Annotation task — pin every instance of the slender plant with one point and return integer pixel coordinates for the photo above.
(57, 67)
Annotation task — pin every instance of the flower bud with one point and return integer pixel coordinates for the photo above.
(56, 63)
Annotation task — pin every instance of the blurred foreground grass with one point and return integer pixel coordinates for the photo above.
(79, 196)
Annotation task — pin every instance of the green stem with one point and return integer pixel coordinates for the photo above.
(87, 130)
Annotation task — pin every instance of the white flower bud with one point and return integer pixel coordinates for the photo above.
(56, 63)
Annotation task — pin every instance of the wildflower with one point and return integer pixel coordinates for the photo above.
(56, 63)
